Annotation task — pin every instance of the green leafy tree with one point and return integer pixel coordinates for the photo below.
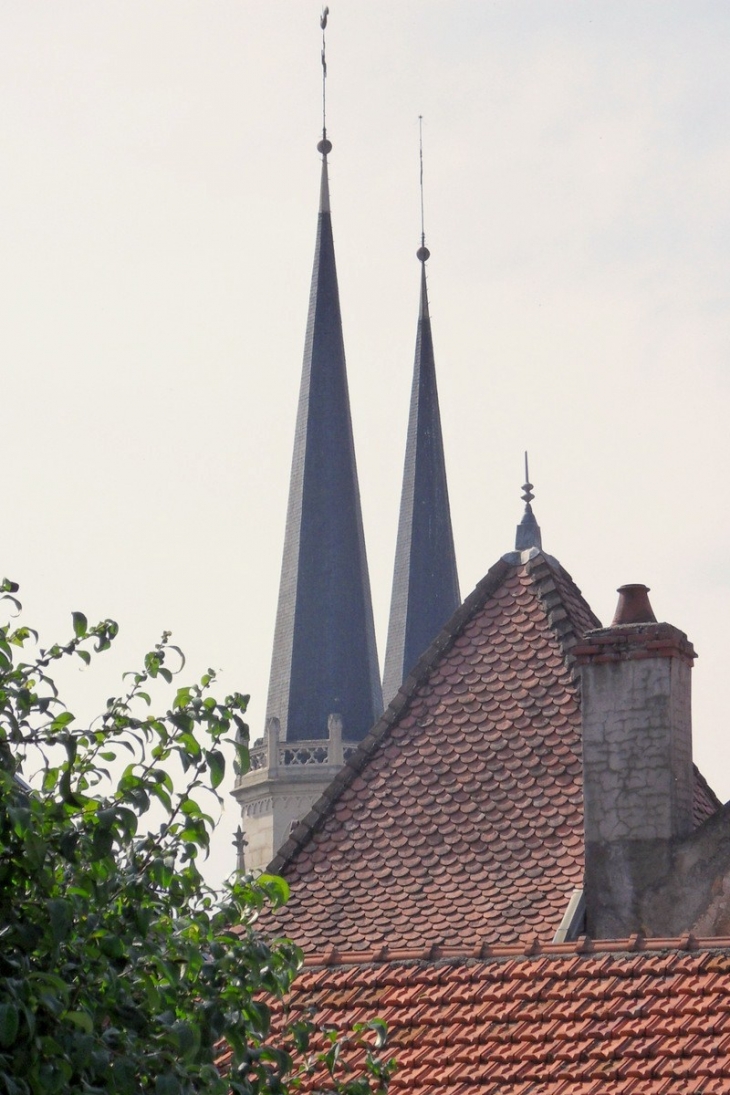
(121, 971)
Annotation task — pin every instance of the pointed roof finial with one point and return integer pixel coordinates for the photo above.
(527, 494)
(528, 530)
(324, 145)
(423, 253)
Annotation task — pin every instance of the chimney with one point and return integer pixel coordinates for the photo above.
(638, 777)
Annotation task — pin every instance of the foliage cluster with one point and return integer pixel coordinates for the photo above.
(121, 971)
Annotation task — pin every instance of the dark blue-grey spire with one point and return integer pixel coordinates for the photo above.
(324, 658)
(528, 531)
(425, 582)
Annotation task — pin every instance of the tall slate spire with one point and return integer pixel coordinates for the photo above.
(324, 658)
(425, 582)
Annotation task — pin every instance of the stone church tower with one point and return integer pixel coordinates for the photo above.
(324, 690)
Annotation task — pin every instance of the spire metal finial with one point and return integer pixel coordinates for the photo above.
(528, 530)
(423, 253)
(527, 494)
(324, 145)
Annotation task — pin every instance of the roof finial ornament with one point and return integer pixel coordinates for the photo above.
(527, 494)
(423, 253)
(324, 145)
(528, 530)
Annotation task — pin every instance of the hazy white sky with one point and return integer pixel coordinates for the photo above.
(159, 191)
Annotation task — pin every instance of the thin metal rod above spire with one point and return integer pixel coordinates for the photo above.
(423, 253)
(323, 25)
(420, 159)
(324, 145)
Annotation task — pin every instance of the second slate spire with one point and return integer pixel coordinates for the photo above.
(425, 582)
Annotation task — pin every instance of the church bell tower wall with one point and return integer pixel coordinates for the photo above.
(283, 782)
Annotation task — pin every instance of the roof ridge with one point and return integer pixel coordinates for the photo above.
(699, 778)
(544, 569)
(530, 947)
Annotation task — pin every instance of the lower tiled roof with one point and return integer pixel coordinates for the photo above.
(631, 1017)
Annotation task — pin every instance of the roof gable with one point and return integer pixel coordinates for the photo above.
(461, 815)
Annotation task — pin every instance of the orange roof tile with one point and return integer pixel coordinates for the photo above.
(461, 816)
(512, 1024)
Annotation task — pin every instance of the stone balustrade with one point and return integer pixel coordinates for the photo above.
(271, 753)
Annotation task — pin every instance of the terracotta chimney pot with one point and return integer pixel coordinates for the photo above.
(633, 606)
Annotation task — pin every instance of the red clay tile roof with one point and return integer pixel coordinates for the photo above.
(561, 1022)
(461, 816)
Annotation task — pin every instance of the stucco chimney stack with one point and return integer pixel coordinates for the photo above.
(637, 759)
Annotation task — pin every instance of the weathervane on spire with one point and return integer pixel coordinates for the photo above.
(324, 145)
(423, 253)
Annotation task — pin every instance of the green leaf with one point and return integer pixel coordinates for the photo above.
(81, 1019)
(81, 625)
(188, 1039)
(190, 743)
(217, 766)
(167, 1085)
(49, 779)
(102, 845)
(60, 914)
(182, 699)
(9, 1022)
(124, 1077)
(61, 721)
(111, 946)
(276, 889)
(35, 850)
